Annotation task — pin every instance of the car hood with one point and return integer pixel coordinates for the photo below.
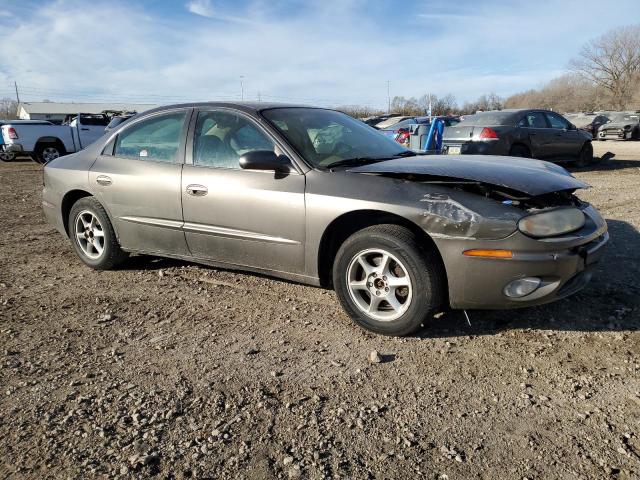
(531, 177)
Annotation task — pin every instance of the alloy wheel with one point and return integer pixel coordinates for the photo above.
(379, 284)
(89, 234)
(50, 153)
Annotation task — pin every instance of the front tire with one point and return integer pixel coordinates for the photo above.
(586, 156)
(387, 280)
(92, 235)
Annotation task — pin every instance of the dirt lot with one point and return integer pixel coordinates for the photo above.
(180, 370)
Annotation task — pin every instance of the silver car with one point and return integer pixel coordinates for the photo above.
(317, 197)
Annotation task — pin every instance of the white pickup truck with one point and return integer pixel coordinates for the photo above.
(47, 142)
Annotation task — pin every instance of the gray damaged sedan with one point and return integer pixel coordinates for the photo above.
(314, 196)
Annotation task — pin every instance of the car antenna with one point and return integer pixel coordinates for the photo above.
(466, 315)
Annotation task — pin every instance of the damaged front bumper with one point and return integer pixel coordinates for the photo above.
(560, 267)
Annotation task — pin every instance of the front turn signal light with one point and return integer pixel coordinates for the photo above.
(488, 253)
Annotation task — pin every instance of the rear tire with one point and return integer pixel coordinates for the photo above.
(7, 156)
(586, 156)
(520, 151)
(403, 283)
(47, 152)
(92, 235)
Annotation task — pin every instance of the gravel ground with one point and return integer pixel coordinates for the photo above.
(181, 371)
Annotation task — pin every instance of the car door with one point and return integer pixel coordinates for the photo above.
(540, 136)
(241, 217)
(137, 178)
(567, 142)
(86, 129)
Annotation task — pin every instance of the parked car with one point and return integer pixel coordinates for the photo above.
(397, 235)
(622, 126)
(540, 134)
(45, 141)
(589, 122)
(401, 133)
(7, 155)
(375, 119)
(390, 121)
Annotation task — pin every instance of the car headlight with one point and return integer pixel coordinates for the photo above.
(551, 223)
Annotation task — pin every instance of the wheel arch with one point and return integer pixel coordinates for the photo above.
(50, 141)
(521, 144)
(69, 199)
(347, 224)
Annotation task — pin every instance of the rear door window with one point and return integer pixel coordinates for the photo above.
(534, 120)
(155, 139)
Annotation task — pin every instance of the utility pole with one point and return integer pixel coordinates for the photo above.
(242, 87)
(15, 84)
(388, 97)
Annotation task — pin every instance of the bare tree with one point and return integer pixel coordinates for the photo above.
(8, 109)
(484, 103)
(446, 105)
(359, 111)
(613, 63)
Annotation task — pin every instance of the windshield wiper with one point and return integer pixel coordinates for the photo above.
(356, 161)
(350, 162)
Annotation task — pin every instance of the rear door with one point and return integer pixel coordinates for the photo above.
(541, 137)
(566, 142)
(137, 178)
(242, 217)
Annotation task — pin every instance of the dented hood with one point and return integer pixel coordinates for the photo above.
(531, 177)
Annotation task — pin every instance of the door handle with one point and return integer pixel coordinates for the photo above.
(103, 180)
(197, 190)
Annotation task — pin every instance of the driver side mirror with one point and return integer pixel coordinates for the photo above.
(264, 160)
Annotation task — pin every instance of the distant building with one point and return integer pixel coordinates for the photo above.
(56, 112)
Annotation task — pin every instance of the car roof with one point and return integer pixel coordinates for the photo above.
(251, 107)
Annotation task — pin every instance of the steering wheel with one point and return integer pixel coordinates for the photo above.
(341, 148)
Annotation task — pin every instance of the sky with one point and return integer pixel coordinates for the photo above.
(320, 52)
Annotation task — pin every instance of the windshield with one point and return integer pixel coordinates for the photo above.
(488, 119)
(325, 137)
(625, 117)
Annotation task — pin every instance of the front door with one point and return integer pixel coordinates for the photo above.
(241, 217)
(567, 143)
(541, 136)
(138, 178)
